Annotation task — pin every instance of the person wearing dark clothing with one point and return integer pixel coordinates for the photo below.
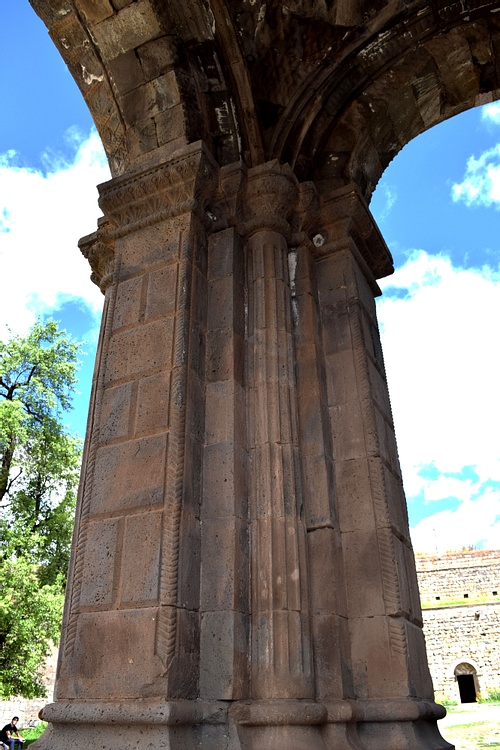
(7, 735)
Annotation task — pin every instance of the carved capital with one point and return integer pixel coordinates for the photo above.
(183, 183)
(342, 220)
(99, 249)
(270, 198)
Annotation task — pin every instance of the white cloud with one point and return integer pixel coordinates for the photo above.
(388, 196)
(472, 523)
(491, 112)
(42, 217)
(481, 183)
(445, 486)
(439, 337)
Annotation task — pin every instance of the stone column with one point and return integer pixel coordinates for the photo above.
(282, 714)
(224, 605)
(386, 661)
(333, 681)
(242, 576)
(129, 667)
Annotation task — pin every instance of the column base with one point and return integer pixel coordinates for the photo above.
(249, 725)
(279, 725)
(399, 724)
(133, 724)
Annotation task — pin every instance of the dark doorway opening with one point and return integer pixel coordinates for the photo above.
(466, 688)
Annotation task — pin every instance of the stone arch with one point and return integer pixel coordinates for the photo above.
(463, 666)
(158, 76)
(408, 78)
(334, 89)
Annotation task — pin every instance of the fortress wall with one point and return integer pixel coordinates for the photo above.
(467, 633)
(459, 575)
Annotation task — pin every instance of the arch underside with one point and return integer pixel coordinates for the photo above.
(336, 89)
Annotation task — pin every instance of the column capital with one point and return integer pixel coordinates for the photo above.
(270, 197)
(183, 183)
(99, 249)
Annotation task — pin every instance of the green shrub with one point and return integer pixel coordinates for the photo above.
(493, 697)
(31, 734)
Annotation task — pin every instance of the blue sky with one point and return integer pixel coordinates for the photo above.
(437, 205)
(50, 164)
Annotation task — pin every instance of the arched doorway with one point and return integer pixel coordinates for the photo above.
(468, 686)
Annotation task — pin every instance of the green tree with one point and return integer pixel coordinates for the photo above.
(39, 466)
(30, 621)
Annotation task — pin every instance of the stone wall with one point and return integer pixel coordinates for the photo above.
(461, 638)
(460, 575)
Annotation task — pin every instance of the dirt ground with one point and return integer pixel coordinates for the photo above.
(472, 726)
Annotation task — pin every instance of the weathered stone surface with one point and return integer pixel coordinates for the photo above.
(241, 531)
(116, 408)
(114, 657)
(118, 482)
(98, 585)
(128, 303)
(140, 560)
(224, 648)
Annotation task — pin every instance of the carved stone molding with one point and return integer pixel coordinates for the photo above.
(99, 249)
(183, 183)
(270, 197)
(342, 218)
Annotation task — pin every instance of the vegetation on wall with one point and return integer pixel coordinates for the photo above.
(459, 602)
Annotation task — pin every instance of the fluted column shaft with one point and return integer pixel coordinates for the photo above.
(281, 656)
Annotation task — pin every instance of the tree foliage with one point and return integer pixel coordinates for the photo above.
(30, 620)
(39, 465)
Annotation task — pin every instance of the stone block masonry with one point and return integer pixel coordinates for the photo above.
(459, 576)
(461, 615)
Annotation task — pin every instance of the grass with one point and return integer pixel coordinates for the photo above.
(472, 729)
(32, 733)
(472, 736)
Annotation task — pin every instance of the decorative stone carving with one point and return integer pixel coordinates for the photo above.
(271, 193)
(179, 185)
(99, 250)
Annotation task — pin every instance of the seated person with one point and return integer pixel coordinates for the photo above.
(7, 735)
